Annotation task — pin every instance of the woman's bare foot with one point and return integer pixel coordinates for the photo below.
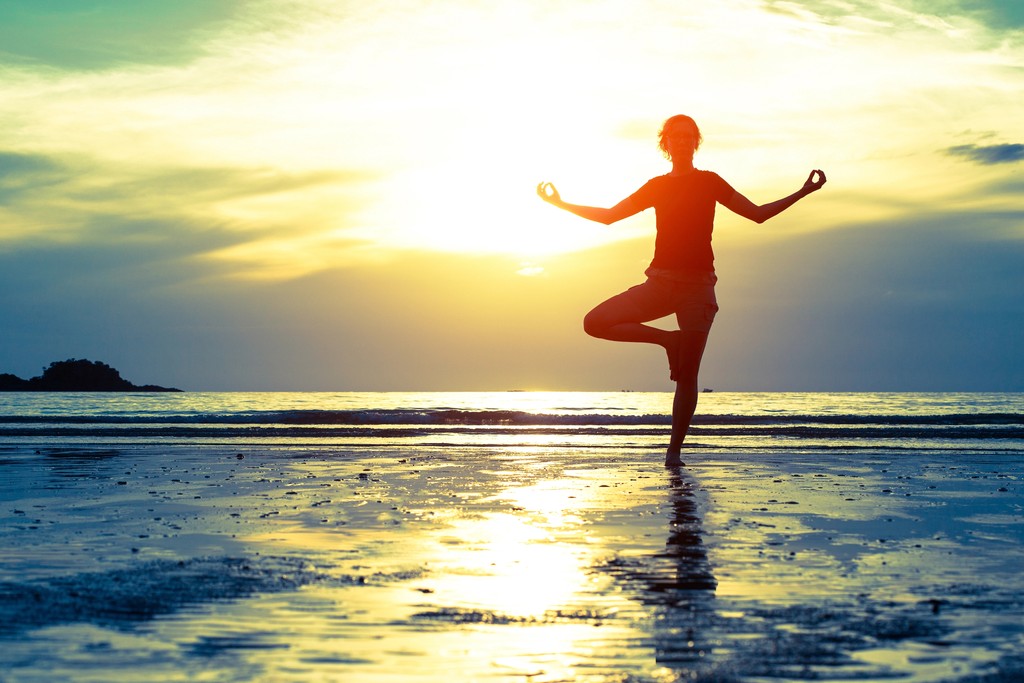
(673, 459)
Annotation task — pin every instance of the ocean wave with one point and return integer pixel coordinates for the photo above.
(411, 431)
(513, 418)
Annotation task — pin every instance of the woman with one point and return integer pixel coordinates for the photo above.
(681, 278)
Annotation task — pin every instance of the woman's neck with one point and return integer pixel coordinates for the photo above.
(682, 166)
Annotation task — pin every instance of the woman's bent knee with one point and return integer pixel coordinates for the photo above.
(594, 325)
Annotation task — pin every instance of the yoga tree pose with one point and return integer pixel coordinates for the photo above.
(681, 278)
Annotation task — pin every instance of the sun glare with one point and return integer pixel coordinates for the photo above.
(476, 202)
(471, 202)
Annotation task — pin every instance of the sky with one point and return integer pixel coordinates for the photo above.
(340, 196)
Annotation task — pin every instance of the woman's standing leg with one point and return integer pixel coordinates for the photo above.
(691, 350)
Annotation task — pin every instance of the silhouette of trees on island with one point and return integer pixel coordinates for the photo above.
(75, 375)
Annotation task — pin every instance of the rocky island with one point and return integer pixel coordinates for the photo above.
(75, 375)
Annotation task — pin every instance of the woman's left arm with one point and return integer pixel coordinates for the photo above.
(739, 204)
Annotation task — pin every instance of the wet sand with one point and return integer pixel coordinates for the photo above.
(489, 564)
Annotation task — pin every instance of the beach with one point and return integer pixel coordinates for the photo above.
(474, 556)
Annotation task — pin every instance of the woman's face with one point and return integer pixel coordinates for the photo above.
(681, 140)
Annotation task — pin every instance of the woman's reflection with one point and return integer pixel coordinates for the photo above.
(685, 591)
(684, 544)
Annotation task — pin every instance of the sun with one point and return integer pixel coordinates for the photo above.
(484, 201)
(450, 207)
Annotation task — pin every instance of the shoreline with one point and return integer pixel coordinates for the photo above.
(442, 563)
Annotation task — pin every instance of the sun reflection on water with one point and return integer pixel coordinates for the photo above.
(528, 562)
(508, 565)
(534, 567)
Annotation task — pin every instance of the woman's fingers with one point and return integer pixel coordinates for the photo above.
(816, 183)
(546, 190)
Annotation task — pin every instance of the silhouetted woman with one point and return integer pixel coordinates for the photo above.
(681, 278)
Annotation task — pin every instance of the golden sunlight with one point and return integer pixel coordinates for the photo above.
(510, 565)
(477, 201)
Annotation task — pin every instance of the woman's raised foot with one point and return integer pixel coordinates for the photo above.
(672, 344)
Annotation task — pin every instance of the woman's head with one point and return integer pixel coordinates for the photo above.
(679, 132)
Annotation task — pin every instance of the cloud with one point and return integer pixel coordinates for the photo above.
(999, 14)
(989, 154)
(13, 164)
(81, 35)
(175, 213)
(22, 174)
(117, 253)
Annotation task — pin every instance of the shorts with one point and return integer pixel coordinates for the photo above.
(689, 294)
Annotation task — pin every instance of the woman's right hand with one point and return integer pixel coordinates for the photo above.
(813, 184)
(548, 193)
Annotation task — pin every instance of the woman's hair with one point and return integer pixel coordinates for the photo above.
(672, 122)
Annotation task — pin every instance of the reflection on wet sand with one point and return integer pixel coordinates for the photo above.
(676, 584)
(685, 544)
(681, 625)
(472, 565)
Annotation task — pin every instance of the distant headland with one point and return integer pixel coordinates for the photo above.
(75, 375)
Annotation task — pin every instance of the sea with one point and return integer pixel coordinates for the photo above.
(754, 422)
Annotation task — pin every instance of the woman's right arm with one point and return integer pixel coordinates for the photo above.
(623, 209)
